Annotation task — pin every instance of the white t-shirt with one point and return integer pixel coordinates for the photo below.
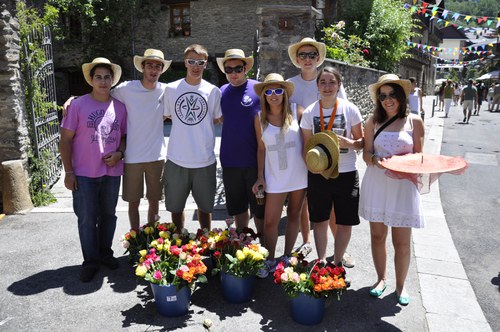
(192, 109)
(285, 169)
(145, 140)
(347, 116)
(306, 92)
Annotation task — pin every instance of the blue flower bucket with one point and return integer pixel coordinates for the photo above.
(171, 302)
(307, 310)
(236, 289)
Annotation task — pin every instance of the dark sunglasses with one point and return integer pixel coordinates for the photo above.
(383, 97)
(310, 55)
(193, 62)
(277, 92)
(237, 69)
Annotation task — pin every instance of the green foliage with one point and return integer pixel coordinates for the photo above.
(481, 8)
(39, 168)
(356, 14)
(340, 48)
(389, 27)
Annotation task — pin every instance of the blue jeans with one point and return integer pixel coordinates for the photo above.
(94, 203)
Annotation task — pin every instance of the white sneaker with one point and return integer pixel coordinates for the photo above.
(305, 249)
(269, 266)
(348, 261)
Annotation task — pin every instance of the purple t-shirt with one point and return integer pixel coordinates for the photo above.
(238, 142)
(98, 127)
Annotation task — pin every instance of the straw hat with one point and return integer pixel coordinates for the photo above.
(321, 47)
(151, 54)
(233, 54)
(386, 79)
(274, 78)
(323, 154)
(87, 67)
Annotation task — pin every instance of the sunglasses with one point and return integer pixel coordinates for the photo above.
(383, 97)
(193, 62)
(277, 92)
(237, 69)
(310, 55)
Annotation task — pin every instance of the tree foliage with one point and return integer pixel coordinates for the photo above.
(352, 49)
(389, 27)
(489, 8)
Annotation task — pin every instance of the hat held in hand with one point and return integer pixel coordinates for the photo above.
(323, 154)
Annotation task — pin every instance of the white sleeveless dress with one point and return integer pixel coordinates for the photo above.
(284, 168)
(395, 202)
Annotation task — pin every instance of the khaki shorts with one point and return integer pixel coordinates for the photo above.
(133, 181)
(180, 181)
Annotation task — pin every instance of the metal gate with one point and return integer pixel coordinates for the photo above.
(43, 107)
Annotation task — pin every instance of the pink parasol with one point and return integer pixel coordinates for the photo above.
(423, 169)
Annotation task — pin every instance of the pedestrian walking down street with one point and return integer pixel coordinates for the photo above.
(448, 97)
(386, 201)
(281, 169)
(92, 144)
(238, 151)
(469, 95)
(415, 97)
(333, 114)
(193, 105)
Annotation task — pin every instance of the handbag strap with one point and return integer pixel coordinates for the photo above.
(391, 120)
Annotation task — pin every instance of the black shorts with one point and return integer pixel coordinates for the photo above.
(238, 184)
(342, 193)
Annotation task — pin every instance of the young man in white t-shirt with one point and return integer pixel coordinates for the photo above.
(193, 104)
(308, 55)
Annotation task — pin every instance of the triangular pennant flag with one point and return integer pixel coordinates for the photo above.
(489, 22)
(424, 5)
(445, 13)
(455, 16)
(447, 23)
(467, 18)
(434, 10)
(414, 2)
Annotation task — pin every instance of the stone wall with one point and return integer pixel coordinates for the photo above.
(14, 139)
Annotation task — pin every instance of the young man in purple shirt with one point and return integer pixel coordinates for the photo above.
(238, 152)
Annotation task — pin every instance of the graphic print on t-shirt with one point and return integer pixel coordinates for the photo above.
(338, 126)
(246, 101)
(191, 108)
(104, 124)
(281, 147)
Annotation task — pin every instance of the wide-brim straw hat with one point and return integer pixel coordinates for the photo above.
(151, 54)
(274, 78)
(386, 79)
(321, 47)
(235, 54)
(323, 154)
(87, 67)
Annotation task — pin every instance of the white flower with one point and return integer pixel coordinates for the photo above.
(125, 244)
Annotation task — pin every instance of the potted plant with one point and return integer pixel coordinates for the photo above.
(309, 285)
(238, 259)
(173, 265)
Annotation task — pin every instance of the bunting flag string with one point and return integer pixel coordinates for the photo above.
(431, 10)
(476, 49)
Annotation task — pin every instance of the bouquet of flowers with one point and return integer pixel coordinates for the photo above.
(314, 279)
(136, 240)
(235, 251)
(170, 262)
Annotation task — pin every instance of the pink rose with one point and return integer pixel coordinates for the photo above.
(157, 275)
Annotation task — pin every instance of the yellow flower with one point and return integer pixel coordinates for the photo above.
(303, 277)
(141, 271)
(240, 255)
(148, 230)
(178, 242)
(143, 252)
(133, 234)
(164, 235)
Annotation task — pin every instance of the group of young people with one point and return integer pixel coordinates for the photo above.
(297, 139)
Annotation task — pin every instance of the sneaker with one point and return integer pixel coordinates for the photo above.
(110, 262)
(87, 274)
(348, 261)
(269, 266)
(305, 249)
(465, 119)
